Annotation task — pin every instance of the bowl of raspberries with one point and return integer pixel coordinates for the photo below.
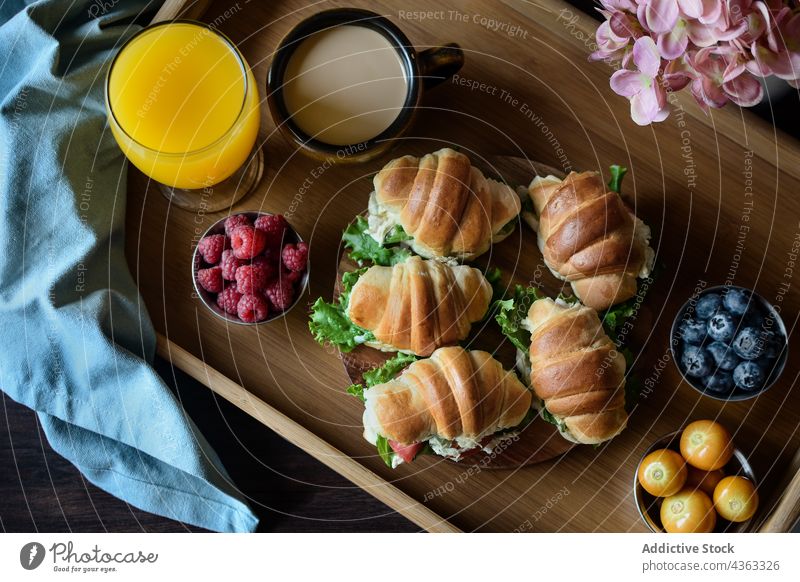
(729, 343)
(250, 268)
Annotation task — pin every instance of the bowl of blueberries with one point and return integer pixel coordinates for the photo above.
(729, 343)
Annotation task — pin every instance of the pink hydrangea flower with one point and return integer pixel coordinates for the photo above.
(718, 48)
(641, 86)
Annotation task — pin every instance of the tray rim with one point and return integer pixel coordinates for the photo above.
(783, 511)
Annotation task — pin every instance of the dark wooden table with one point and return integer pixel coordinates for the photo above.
(289, 490)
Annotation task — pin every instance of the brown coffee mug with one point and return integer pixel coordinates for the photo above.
(423, 70)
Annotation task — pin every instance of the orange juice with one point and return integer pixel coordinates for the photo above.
(183, 104)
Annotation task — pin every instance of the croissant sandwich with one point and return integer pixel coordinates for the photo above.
(413, 307)
(454, 402)
(590, 238)
(441, 206)
(576, 371)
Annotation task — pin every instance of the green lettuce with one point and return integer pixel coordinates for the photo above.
(616, 316)
(329, 321)
(385, 450)
(510, 314)
(365, 248)
(384, 373)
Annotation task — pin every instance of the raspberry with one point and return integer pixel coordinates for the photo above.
(247, 242)
(211, 247)
(235, 221)
(228, 299)
(291, 276)
(229, 264)
(274, 226)
(210, 279)
(295, 256)
(280, 294)
(252, 308)
(250, 279)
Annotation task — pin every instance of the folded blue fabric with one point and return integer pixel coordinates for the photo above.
(75, 338)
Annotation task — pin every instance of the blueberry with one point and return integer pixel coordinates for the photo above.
(720, 382)
(750, 343)
(721, 327)
(708, 305)
(723, 355)
(693, 331)
(736, 300)
(696, 361)
(748, 376)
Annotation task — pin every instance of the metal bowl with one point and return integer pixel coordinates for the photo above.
(650, 507)
(736, 394)
(208, 298)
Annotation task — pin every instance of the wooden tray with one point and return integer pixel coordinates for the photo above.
(693, 178)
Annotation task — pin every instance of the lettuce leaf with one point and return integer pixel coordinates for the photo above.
(365, 248)
(617, 174)
(329, 322)
(616, 316)
(389, 370)
(511, 313)
(384, 450)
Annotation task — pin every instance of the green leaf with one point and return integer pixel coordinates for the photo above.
(348, 281)
(389, 370)
(512, 312)
(382, 374)
(330, 324)
(396, 235)
(384, 450)
(357, 390)
(617, 174)
(365, 248)
(616, 316)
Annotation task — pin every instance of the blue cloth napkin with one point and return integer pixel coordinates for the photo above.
(75, 338)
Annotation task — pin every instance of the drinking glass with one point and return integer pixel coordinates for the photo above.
(184, 108)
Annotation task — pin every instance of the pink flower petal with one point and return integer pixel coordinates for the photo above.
(691, 8)
(646, 56)
(661, 15)
(628, 83)
(700, 34)
(673, 44)
(744, 90)
(734, 69)
(645, 107)
(713, 93)
(621, 25)
(712, 11)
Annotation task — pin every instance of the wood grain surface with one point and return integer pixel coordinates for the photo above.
(720, 193)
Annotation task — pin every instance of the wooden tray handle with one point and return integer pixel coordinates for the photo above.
(787, 510)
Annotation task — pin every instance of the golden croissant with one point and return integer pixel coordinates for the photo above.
(447, 206)
(576, 371)
(455, 399)
(417, 306)
(589, 238)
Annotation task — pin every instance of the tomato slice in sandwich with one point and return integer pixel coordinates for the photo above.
(406, 452)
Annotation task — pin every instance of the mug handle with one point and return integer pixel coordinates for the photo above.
(440, 63)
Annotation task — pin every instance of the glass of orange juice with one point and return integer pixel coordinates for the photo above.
(183, 106)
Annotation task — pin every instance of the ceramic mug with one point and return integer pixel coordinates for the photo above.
(423, 70)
